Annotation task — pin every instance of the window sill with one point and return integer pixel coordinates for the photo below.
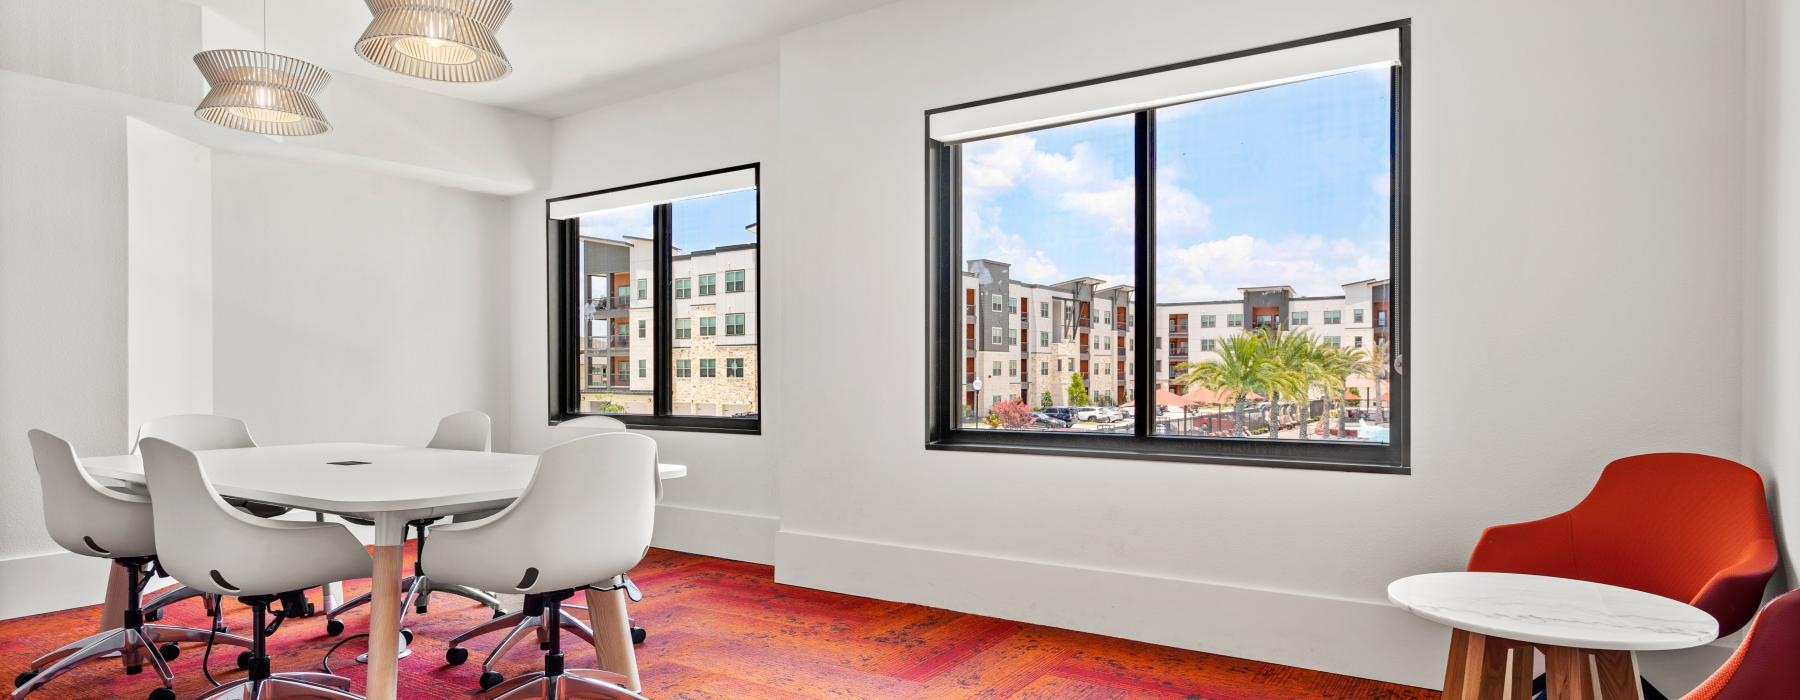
(1245, 451)
(693, 424)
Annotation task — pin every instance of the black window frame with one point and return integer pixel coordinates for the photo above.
(944, 313)
(563, 336)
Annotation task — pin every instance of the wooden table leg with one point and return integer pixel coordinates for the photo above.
(384, 609)
(612, 635)
(1566, 669)
(1519, 672)
(1617, 672)
(1476, 669)
(112, 614)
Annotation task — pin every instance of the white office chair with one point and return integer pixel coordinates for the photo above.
(469, 431)
(199, 431)
(585, 426)
(92, 520)
(603, 486)
(226, 552)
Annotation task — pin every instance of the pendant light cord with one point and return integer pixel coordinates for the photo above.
(265, 23)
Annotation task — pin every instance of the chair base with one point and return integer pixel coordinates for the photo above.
(520, 623)
(418, 590)
(571, 684)
(133, 646)
(285, 685)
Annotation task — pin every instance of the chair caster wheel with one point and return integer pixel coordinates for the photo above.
(243, 660)
(23, 678)
(162, 694)
(169, 651)
(499, 614)
(638, 634)
(334, 627)
(222, 628)
(153, 615)
(419, 609)
(404, 632)
(311, 610)
(489, 679)
(456, 655)
(134, 670)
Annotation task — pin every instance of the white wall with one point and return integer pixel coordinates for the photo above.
(726, 504)
(1563, 185)
(168, 296)
(62, 315)
(1772, 255)
(354, 306)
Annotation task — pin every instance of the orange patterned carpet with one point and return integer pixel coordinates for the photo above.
(725, 629)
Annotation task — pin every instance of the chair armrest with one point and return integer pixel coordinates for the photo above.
(1733, 594)
(1544, 547)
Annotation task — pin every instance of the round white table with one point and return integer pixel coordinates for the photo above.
(1589, 632)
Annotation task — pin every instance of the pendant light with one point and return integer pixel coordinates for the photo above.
(262, 92)
(448, 40)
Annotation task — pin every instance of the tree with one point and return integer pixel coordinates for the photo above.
(1242, 368)
(1047, 400)
(607, 405)
(1078, 395)
(1379, 359)
(1014, 414)
(1299, 360)
(1339, 365)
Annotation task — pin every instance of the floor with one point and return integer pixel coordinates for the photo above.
(725, 629)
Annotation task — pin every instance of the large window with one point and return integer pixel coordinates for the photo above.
(649, 257)
(1266, 186)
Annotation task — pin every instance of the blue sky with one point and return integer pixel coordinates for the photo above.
(700, 223)
(1286, 185)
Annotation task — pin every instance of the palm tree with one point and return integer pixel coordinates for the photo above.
(1379, 359)
(1244, 366)
(1295, 360)
(1339, 365)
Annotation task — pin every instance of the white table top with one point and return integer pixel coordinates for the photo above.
(1556, 611)
(418, 481)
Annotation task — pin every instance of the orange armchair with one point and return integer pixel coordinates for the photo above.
(1763, 666)
(1684, 526)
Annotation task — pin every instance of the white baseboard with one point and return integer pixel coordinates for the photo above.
(1362, 638)
(716, 533)
(50, 582)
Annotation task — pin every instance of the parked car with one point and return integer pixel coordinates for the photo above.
(1045, 420)
(1087, 414)
(1109, 414)
(1066, 414)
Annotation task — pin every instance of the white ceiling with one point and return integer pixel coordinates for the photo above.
(567, 55)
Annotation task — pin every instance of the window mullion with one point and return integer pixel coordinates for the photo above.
(663, 309)
(1144, 175)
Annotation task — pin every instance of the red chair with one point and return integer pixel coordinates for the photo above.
(1763, 666)
(1684, 526)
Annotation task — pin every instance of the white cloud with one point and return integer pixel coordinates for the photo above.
(1313, 265)
(985, 239)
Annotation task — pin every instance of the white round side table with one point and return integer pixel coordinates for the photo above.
(1589, 632)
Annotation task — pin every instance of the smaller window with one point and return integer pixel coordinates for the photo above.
(1012, 368)
(1012, 336)
(734, 280)
(1334, 341)
(1207, 344)
(997, 302)
(1209, 321)
(684, 288)
(709, 368)
(684, 328)
(1381, 318)
(1106, 317)
(643, 289)
(1044, 309)
(709, 325)
(1012, 307)
(1043, 369)
(1043, 339)
(1159, 365)
(734, 324)
(642, 325)
(643, 368)
(1297, 318)
(1359, 341)
(709, 285)
(1234, 320)
(684, 368)
(1356, 316)
(1333, 317)
(994, 335)
(996, 368)
(1159, 342)
(734, 367)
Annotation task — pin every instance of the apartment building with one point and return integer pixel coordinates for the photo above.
(715, 336)
(1023, 340)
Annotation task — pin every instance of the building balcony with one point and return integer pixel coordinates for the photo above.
(1085, 322)
(968, 377)
(1178, 353)
(969, 311)
(1178, 329)
(969, 344)
(604, 304)
(604, 343)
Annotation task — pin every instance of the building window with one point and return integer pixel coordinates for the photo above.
(1359, 341)
(998, 302)
(734, 324)
(734, 367)
(1334, 341)
(1012, 368)
(1012, 336)
(1043, 339)
(1334, 317)
(1044, 309)
(994, 335)
(709, 368)
(996, 368)
(1321, 122)
(1356, 315)
(1043, 369)
(613, 252)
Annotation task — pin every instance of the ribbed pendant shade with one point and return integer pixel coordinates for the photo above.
(261, 92)
(448, 40)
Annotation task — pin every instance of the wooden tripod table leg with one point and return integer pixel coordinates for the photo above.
(1617, 672)
(1566, 669)
(612, 635)
(1477, 667)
